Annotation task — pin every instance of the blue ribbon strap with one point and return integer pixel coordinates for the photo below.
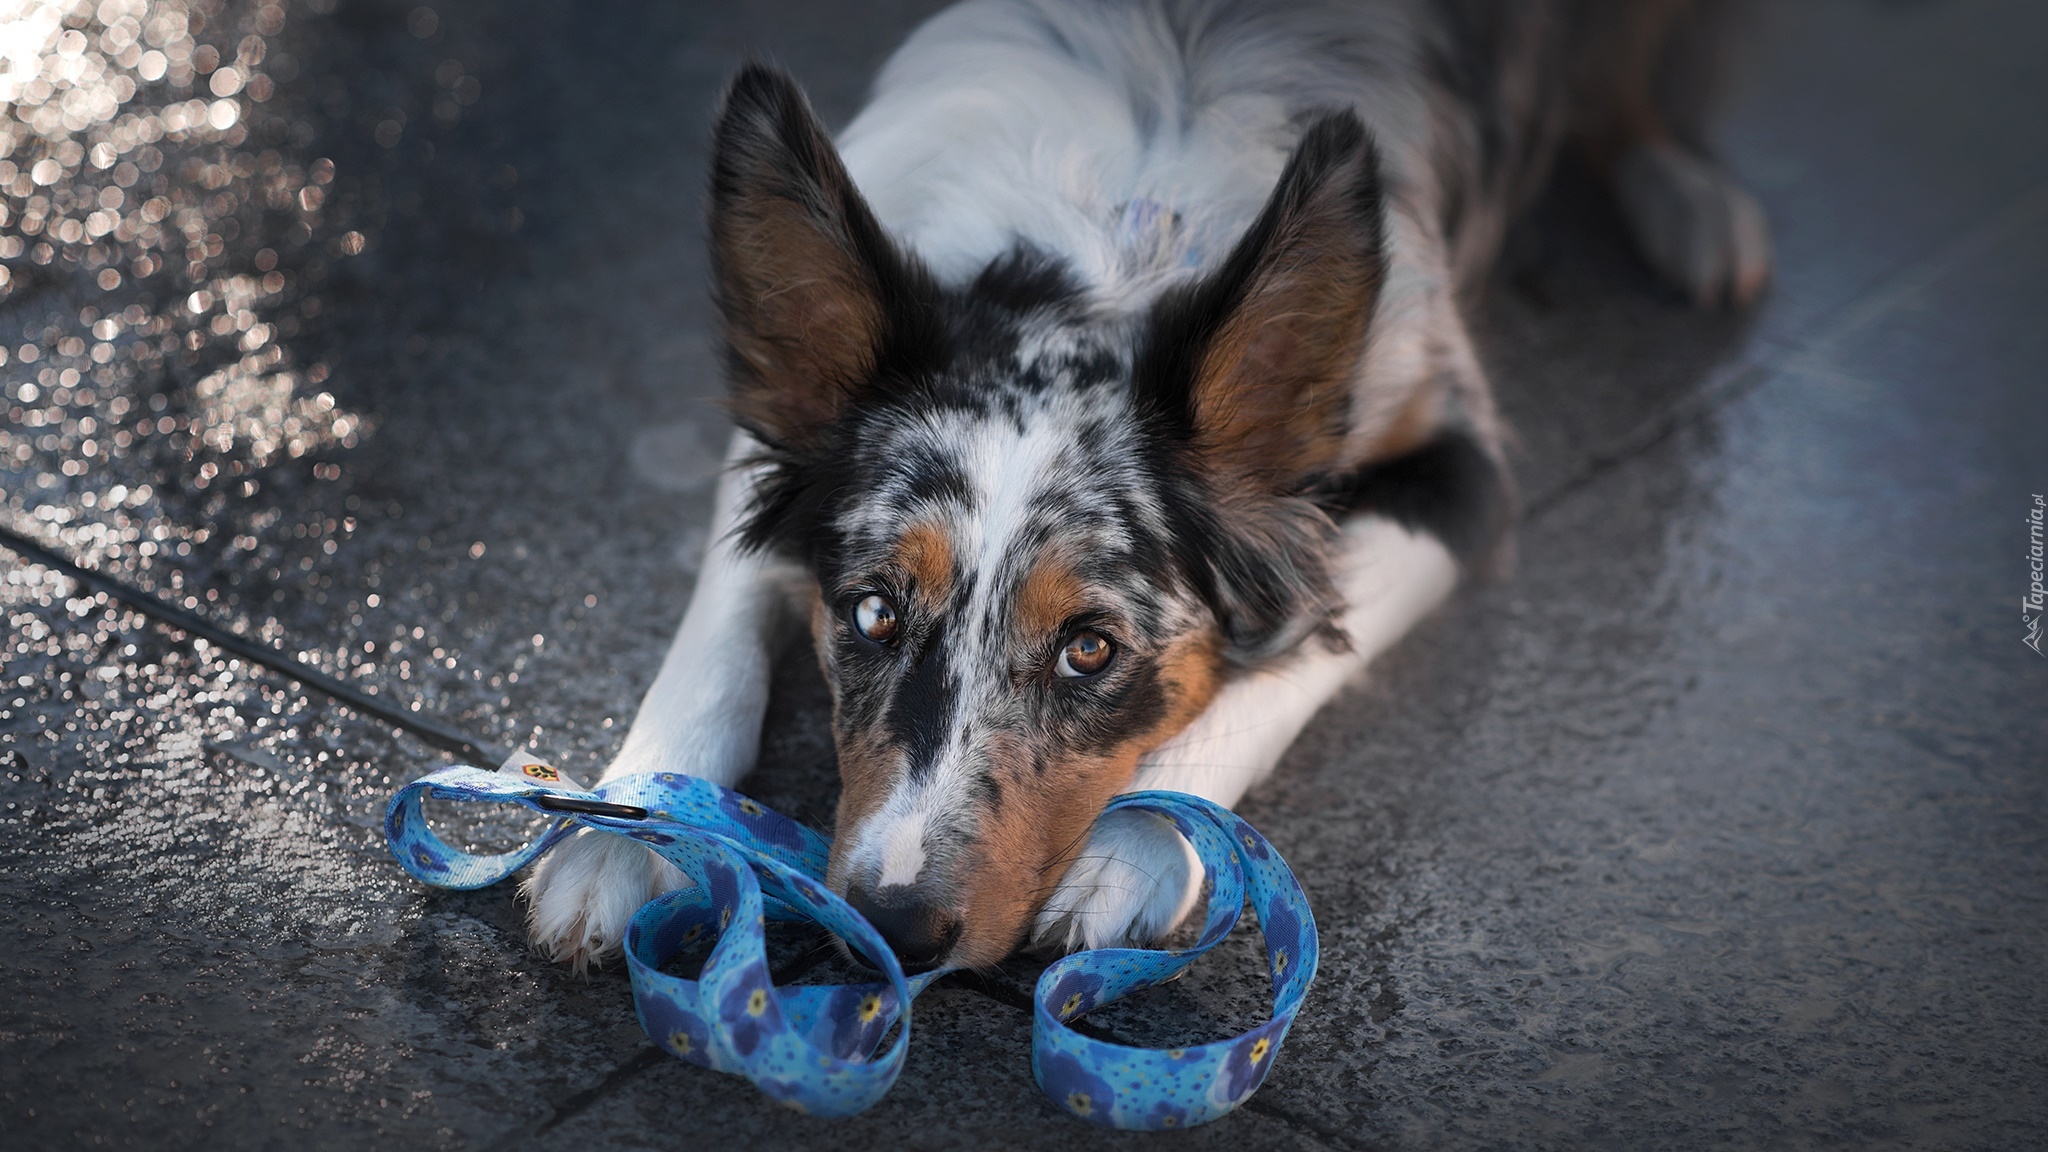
(815, 1048)
(1157, 1088)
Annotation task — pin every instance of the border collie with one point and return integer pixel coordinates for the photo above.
(1105, 406)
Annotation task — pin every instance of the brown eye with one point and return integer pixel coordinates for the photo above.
(1087, 652)
(875, 618)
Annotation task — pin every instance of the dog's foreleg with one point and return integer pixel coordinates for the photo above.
(1137, 878)
(701, 717)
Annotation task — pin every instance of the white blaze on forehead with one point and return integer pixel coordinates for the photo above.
(1006, 468)
(1009, 468)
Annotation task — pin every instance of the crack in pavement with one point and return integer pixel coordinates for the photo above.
(425, 727)
(580, 1102)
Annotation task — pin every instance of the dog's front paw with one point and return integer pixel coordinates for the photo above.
(1133, 882)
(1701, 231)
(581, 896)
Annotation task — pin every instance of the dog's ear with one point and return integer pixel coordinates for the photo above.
(809, 283)
(1250, 372)
(1255, 362)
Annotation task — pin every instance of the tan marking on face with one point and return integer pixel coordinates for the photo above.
(867, 764)
(1023, 847)
(927, 557)
(867, 772)
(1191, 670)
(1049, 597)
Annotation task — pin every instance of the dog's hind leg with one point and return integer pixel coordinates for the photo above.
(1647, 74)
(701, 717)
(1136, 878)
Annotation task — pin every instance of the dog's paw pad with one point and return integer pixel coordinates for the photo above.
(1135, 879)
(581, 896)
(1698, 229)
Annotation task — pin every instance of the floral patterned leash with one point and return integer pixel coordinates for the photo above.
(815, 1048)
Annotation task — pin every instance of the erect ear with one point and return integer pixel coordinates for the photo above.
(1251, 370)
(1256, 361)
(810, 286)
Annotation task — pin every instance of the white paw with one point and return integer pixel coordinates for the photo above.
(1699, 230)
(581, 895)
(1135, 880)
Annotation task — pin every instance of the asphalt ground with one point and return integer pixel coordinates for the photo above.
(1721, 823)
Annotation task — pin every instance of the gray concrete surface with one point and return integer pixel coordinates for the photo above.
(1721, 824)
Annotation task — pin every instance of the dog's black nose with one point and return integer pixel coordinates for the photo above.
(920, 931)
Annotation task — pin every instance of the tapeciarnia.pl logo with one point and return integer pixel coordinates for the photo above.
(2036, 600)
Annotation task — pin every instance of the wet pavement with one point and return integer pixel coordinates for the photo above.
(380, 333)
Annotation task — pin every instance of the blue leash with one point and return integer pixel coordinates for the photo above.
(814, 1048)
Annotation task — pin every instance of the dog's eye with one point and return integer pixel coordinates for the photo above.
(875, 618)
(1087, 652)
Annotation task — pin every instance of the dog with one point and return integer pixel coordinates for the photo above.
(1105, 406)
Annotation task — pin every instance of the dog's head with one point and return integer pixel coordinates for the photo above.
(1042, 530)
